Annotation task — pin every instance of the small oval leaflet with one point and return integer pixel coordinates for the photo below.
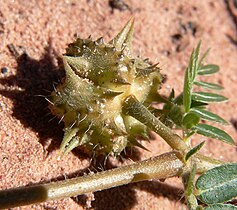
(207, 97)
(206, 115)
(213, 132)
(208, 69)
(208, 85)
(218, 185)
(194, 150)
(190, 120)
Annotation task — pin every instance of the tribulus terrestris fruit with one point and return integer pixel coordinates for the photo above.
(99, 76)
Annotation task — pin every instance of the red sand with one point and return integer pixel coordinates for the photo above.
(165, 31)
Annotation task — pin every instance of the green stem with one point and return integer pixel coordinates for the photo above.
(132, 107)
(161, 167)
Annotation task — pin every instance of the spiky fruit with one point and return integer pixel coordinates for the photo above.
(99, 77)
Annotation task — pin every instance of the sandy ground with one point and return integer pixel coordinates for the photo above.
(165, 31)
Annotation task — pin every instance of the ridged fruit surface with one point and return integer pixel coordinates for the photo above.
(99, 76)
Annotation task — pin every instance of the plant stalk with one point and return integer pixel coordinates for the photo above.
(132, 107)
(161, 167)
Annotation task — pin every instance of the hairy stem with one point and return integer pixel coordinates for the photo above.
(134, 108)
(161, 167)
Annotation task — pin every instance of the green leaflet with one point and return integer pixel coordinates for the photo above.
(208, 85)
(208, 69)
(218, 185)
(190, 75)
(192, 202)
(213, 132)
(203, 57)
(190, 120)
(194, 150)
(193, 65)
(207, 97)
(198, 104)
(206, 115)
(221, 207)
(187, 92)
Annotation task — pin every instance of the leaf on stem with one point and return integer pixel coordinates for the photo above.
(218, 185)
(208, 69)
(190, 75)
(208, 85)
(194, 150)
(213, 132)
(221, 207)
(190, 120)
(208, 97)
(187, 92)
(203, 57)
(193, 65)
(198, 104)
(206, 115)
(192, 202)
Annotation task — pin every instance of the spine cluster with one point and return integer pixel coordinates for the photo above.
(99, 77)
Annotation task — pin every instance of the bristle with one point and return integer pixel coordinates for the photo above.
(68, 136)
(120, 81)
(72, 144)
(99, 41)
(111, 94)
(134, 142)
